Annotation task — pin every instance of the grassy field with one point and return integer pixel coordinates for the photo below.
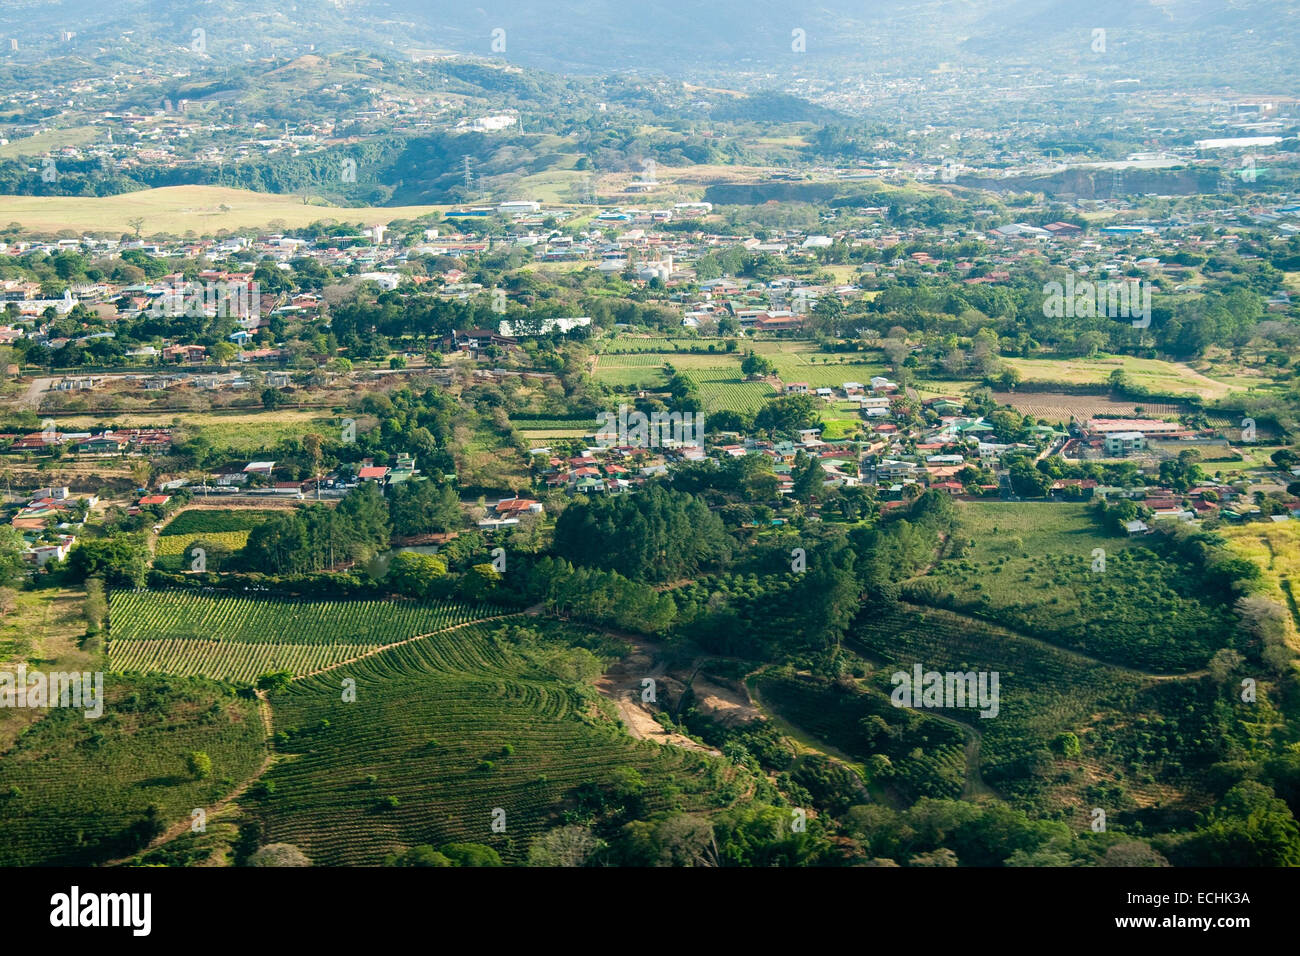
(1033, 567)
(234, 432)
(40, 624)
(803, 362)
(1275, 548)
(178, 210)
(548, 434)
(448, 729)
(1172, 378)
(53, 139)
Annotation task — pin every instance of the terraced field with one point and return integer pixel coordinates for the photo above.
(236, 638)
(450, 727)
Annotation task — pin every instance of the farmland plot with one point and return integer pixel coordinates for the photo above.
(445, 730)
(237, 638)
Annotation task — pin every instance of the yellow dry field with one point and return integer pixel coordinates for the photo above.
(1276, 549)
(1167, 377)
(179, 210)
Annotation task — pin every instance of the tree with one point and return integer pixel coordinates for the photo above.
(421, 507)
(1132, 853)
(274, 680)
(564, 846)
(120, 561)
(12, 545)
(471, 854)
(424, 855)
(808, 476)
(279, 854)
(272, 398)
(479, 582)
(755, 366)
(415, 574)
(1250, 827)
(199, 764)
(787, 415)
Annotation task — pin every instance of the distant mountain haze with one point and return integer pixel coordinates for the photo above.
(1226, 42)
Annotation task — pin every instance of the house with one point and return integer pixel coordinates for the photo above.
(1136, 527)
(474, 340)
(1119, 444)
(373, 473)
(515, 507)
(184, 353)
(45, 552)
(259, 468)
(105, 444)
(796, 388)
(890, 469)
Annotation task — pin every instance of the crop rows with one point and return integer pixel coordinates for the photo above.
(175, 544)
(632, 360)
(187, 615)
(228, 660)
(722, 390)
(431, 722)
(927, 755)
(210, 521)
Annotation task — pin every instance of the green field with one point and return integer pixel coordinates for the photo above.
(453, 727)
(213, 521)
(725, 389)
(76, 792)
(1031, 567)
(48, 141)
(238, 638)
(233, 433)
(170, 552)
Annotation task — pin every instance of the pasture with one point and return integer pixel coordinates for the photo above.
(1170, 378)
(182, 210)
(1047, 570)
